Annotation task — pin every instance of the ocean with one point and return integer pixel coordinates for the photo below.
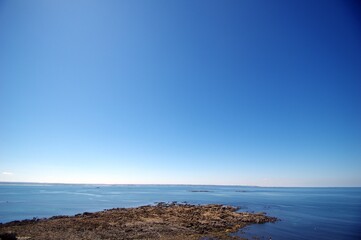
(304, 213)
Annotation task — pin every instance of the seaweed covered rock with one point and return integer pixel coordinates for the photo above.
(161, 221)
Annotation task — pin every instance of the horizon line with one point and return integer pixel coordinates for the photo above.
(175, 184)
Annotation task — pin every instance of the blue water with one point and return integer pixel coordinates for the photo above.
(305, 213)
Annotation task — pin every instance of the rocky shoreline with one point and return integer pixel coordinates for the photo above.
(161, 221)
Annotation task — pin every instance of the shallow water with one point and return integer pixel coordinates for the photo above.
(305, 213)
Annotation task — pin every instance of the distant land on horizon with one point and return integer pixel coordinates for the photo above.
(164, 184)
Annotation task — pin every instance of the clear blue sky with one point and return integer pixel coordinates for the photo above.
(190, 92)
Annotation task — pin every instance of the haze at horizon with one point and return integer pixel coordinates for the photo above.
(181, 92)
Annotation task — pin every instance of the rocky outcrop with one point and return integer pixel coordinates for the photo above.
(161, 221)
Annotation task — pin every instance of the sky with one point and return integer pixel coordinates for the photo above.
(229, 92)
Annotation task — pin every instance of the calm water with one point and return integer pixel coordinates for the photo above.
(305, 213)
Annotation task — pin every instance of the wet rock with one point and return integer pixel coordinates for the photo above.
(8, 236)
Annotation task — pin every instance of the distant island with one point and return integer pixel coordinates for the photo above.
(162, 221)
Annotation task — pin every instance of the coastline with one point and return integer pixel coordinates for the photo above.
(160, 221)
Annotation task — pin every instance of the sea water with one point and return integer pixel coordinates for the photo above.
(304, 213)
